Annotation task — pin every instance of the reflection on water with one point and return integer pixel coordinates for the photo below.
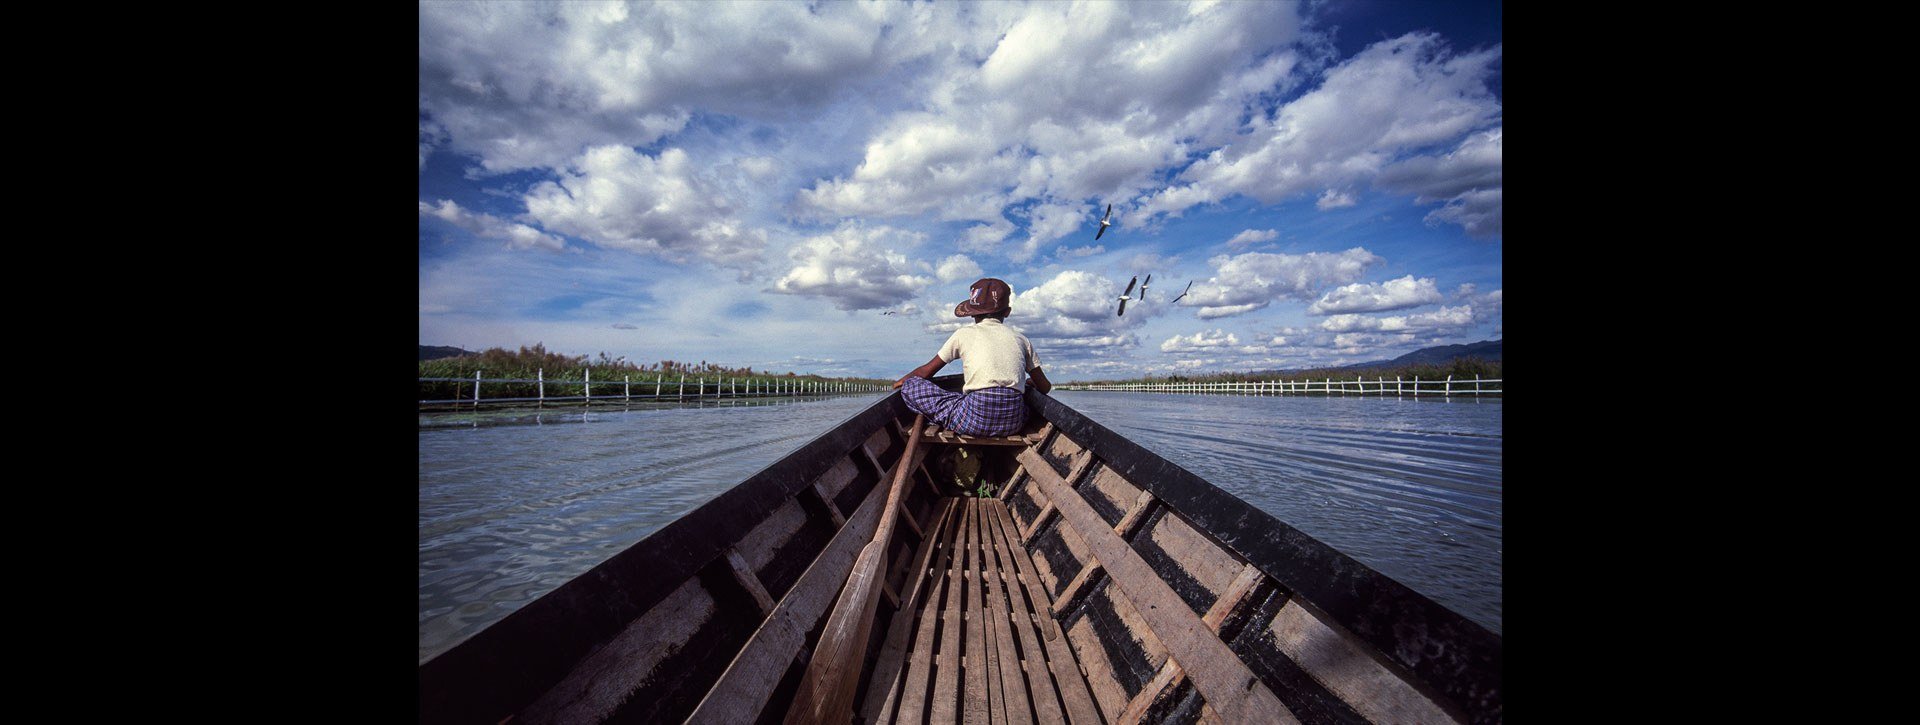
(514, 504)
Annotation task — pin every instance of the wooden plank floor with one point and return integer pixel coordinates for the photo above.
(984, 634)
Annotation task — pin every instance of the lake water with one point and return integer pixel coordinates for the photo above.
(514, 505)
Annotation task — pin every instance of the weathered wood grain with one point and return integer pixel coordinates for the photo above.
(1171, 674)
(743, 573)
(1044, 694)
(883, 689)
(1067, 674)
(946, 686)
(1451, 656)
(1080, 466)
(920, 663)
(604, 679)
(1136, 513)
(1227, 684)
(835, 480)
(764, 540)
(1335, 661)
(1007, 659)
(833, 509)
(742, 691)
(935, 434)
(827, 690)
(974, 669)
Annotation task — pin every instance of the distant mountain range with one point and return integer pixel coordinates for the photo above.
(435, 352)
(1488, 350)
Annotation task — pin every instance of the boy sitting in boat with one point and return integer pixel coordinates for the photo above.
(999, 365)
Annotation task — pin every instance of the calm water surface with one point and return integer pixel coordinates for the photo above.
(514, 505)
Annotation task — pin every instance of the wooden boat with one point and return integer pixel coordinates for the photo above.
(856, 580)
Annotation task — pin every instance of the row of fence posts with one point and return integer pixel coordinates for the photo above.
(1329, 386)
(723, 388)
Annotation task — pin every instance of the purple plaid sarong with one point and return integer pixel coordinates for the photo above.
(983, 412)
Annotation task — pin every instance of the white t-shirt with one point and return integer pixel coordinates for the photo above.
(995, 356)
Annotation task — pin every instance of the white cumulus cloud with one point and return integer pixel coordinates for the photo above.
(1032, 124)
(1467, 181)
(1075, 312)
(1385, 296)
(618, 198)
(1394, 98)
(1334, 199)
(1210, 341)
(1253, 280)
(1441, 319)
(516, 235)
(529, 85)
(855, 268)
(958, 268)
(1253, 236)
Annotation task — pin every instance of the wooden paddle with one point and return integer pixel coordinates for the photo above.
(826, 693)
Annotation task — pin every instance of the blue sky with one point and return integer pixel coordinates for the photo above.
(758, 183)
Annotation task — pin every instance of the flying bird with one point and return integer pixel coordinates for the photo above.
(1184, 292)
(1124, 297)
(1104, 223)
(891, 312)
(1143, 288)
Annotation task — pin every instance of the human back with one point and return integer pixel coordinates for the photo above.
(992, 354)
(1000, 369)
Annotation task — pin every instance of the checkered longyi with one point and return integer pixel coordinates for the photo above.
(984, 412)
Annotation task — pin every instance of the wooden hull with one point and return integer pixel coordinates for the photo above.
(1101, 583)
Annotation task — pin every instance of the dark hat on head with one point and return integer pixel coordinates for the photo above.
(987, 296)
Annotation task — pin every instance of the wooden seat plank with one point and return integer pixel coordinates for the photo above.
(937, 434)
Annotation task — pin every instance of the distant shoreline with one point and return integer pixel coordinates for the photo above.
(1459, 368)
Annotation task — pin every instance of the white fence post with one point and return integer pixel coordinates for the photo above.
(540, 375)
(683, 386)
(1449, 384)
(586, 390)
(626, 382)
(476, 388)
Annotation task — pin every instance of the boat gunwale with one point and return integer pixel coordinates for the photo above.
(548, 636)
(1396, 621)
